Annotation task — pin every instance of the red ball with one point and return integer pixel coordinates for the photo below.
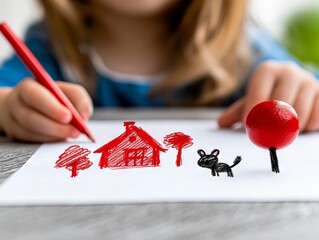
(272, 124)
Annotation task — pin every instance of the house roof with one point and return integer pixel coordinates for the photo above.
(130, 127)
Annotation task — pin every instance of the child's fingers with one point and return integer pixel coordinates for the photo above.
(41, 99)
(232, 114)
(16, 131)
(286, 87)
(260, 87)
(28, 118)
(79, 98)
(313, 120)
(304, 103)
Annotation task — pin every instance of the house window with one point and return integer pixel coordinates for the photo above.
(134, 157)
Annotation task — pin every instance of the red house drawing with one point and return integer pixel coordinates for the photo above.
(133, 148)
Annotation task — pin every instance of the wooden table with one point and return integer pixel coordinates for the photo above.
(151, 221)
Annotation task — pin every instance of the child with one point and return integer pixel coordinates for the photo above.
(149, 53)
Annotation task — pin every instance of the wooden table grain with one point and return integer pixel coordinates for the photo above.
(151, 221)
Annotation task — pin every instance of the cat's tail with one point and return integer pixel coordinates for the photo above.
(236, 161)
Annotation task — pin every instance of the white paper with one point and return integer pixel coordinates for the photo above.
(39, 183)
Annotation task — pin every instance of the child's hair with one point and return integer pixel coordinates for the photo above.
(207, 36)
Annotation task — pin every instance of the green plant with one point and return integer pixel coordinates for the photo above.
(301, 36)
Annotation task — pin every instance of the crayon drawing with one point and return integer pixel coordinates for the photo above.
(39, 183)
(178, 141)
(133, 148)
(74, 159)
(211, 161)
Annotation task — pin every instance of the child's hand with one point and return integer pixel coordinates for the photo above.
(29, 112)
(279, 81)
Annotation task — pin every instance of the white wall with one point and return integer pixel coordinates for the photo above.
(273, 14)
(18, 14)
(270, 13)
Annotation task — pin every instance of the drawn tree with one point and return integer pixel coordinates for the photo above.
(272, 125)
(74, 159)
(178, 141)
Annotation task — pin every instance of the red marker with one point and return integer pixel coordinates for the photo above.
(44, 78)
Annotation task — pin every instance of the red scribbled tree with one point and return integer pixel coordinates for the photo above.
(74, 159)
(178, 141)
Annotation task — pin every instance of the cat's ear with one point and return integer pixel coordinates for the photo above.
(201, 152)
(215, 152)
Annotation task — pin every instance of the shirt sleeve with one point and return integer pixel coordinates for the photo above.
(12, 70)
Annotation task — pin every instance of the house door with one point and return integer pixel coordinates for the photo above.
(134, 157)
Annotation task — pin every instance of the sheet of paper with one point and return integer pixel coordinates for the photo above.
(39, 183)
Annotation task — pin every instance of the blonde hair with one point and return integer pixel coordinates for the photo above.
(209, 43)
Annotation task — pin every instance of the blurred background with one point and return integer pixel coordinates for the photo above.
(295, 23)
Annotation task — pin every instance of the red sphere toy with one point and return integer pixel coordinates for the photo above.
(272, 125)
